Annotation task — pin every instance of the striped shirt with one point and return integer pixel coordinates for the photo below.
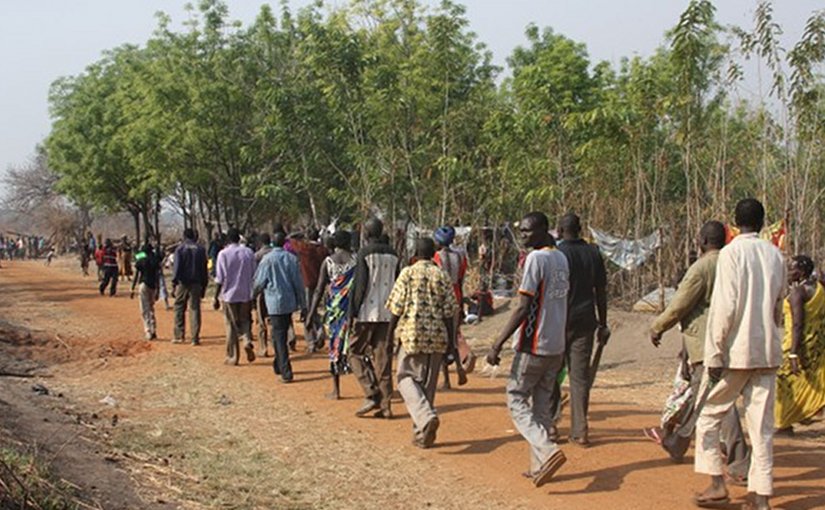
(546, 281)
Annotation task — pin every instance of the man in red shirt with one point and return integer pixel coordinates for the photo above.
(109, 264)
(311, 255)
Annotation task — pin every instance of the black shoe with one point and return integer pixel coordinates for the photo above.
(428, 433)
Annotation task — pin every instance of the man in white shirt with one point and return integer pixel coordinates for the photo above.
(743, 349)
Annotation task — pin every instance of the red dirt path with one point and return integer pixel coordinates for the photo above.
(620, 471)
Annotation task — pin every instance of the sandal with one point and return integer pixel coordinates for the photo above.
(549, 468)
(653, 434)
(703, 501)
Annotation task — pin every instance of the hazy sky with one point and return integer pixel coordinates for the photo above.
(41, 40)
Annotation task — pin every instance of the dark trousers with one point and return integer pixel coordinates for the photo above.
(677, 440)
(371, 361)
(281, 364)
(577, 354)
(191, 295)
(109, 275)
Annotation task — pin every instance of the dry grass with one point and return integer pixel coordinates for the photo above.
(26, 481)
(182, 441)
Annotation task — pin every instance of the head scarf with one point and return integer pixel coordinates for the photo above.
(444, 235)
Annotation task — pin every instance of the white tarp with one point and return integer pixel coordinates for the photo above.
(626, 253)
(650, 303)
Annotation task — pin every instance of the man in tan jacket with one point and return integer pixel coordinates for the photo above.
(743, 349)
(689, 308)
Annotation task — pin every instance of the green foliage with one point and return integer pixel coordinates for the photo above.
(391, 107)
(27, 484)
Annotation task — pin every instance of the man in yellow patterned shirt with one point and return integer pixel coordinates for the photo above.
(422, 305)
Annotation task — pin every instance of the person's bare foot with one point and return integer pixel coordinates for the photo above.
(756, 502)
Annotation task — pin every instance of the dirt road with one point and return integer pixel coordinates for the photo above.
(192, 430)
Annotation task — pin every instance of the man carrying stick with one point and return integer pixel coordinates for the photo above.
(541, 316)
(587, 315)
(743, 349)
(689, 308)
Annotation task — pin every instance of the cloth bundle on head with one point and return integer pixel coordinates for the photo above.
(444, 235)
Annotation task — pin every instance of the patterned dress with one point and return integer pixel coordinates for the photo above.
(335, 318)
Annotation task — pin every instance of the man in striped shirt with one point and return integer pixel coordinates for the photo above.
(541, 318)
(109, 264)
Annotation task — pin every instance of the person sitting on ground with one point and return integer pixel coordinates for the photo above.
(479, 305)
(800, 381)
(423, 308)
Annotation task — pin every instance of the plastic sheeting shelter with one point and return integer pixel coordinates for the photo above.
(650, 302)
(625, 253)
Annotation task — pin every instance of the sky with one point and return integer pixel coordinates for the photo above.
(42, 40)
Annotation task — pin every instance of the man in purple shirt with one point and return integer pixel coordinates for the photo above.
(234, 277)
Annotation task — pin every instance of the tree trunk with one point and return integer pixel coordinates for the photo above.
(157, 217)
(135, 212)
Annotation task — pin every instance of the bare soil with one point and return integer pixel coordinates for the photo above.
(178, 429)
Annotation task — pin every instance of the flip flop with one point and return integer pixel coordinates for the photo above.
(549, 468)
(653, 434)
(704, 502)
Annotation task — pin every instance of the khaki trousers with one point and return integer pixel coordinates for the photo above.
(417, 376)
(758, 388)
(188, 295)
(531, 384)
(148, 296)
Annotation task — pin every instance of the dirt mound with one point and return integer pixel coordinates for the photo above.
(24, 352)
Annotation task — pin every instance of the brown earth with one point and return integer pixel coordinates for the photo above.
(188, 429)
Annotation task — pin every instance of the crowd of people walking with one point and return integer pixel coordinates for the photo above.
(369, 307)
